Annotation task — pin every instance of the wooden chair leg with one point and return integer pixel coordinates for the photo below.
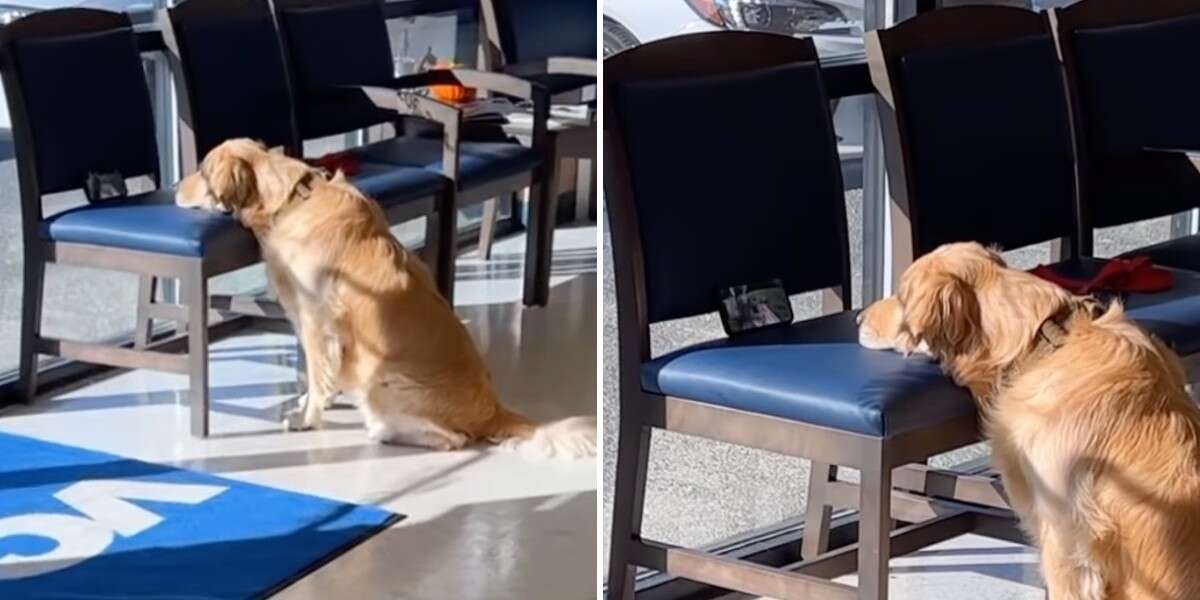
(629, 491)
(147, 288)
(431, 248)
(196, 288)
(487, 228)
(819, 511)
(874, 530)
(539, 239)
(31, 326)
(447, 245)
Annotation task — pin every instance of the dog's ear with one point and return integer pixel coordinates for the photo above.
(231, 180)
(277, 150)
(942, 311)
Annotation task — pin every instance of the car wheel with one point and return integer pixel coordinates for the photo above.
(617, 38)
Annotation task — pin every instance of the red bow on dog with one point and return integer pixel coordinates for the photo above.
(1133, 275)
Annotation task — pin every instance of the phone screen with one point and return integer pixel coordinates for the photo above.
(755, 306)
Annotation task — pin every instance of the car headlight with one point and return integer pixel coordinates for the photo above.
(713, 11)
(778, 16)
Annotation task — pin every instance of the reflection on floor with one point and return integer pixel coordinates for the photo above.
(482, 523)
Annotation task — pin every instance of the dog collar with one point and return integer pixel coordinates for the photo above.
(304, 186)
(1053, 332)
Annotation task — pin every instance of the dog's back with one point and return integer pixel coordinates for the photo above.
(1110, 446)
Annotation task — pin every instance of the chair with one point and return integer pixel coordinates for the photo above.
(1134, 111)
(340, 58)
(550, 43)
(754, 195)
(979, 147)
(553, 44)
(233, 83)
(79, 104)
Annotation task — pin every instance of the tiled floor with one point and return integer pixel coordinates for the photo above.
(482, 523)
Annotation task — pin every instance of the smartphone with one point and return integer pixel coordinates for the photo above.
(754, 306)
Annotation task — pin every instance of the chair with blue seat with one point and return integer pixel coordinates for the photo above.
(1134, 102)
(977, 132)
(341, 64)
(81, 109)
(233, 83)
(552, 43)
(681, 232)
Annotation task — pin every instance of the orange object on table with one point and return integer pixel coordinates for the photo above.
(451, 92)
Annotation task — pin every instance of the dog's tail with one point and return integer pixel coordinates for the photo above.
(572, 437)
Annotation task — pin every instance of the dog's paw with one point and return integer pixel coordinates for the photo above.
(297, 420)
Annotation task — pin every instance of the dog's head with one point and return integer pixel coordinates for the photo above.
(881, 327)
(939, 305)
(244, 178)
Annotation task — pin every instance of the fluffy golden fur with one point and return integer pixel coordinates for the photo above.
(367, 311)
(1095, 437)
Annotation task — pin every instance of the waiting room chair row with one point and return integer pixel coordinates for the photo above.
(282, 74)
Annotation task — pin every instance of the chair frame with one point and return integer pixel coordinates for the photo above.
(941, 504)
(404, 98)
(192, 272)
(1087, 14)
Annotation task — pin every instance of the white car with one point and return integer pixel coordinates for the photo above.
(836, 25)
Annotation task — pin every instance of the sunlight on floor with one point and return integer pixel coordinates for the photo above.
(527, 527)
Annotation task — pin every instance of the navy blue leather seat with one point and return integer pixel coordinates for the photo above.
(1181, 253)
(814, 372)
(478, 162)
(390, 185)
(558, 83)
(153, 223)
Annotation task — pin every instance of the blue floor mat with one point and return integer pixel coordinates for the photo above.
(81, 524)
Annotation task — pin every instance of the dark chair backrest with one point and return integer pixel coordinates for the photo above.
(335, 42)
(1130, 72)
(534, 30)
(234, 82)
(976, 128)
(722, 169)
(78, 100)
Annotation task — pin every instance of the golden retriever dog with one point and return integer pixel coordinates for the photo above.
(369, 316)
(1096, 440)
